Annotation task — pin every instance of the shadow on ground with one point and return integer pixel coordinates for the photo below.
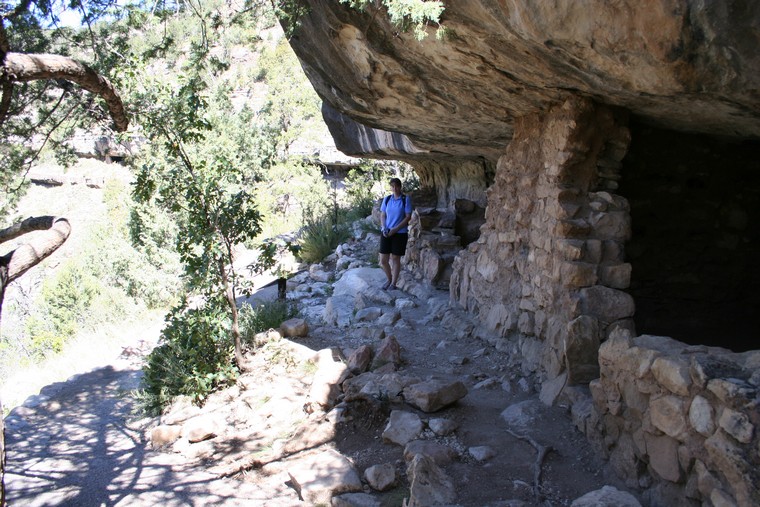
(73, 445)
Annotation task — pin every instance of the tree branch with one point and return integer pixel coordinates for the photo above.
(21, 67)
(28, 255)
(22, 259)
(541, 452)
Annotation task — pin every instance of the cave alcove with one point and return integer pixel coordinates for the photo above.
(695, 243)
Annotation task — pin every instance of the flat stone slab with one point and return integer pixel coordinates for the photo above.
(320, 476)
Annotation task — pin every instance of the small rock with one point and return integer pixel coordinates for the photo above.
(369, 314)
(482, 452)
(402, 428)
(343, 263)
(320, 276)
(428, 484)
(359, 360)
(403, 303)
(200, 428)
(434, 394)
(441, 426)
(389, 351)
(441, 454)
(355, 500)
(522, 414)
(380, 477)
(164, 434)
(389, 318)
(320, 476)
(294, 328)
(608, 495)
(486, 384)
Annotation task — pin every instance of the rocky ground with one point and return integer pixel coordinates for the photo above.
(385, 400)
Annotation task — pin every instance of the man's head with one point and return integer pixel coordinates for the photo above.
(395, 182)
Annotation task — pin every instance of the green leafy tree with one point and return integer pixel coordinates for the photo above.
(46, 89)
(194, 170)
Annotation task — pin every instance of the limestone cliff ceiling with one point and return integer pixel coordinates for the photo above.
(685, 65)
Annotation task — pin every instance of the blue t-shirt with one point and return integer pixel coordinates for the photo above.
(396, 211)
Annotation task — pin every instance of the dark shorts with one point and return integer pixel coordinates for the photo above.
(395, 245)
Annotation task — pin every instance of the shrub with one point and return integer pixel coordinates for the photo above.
(319, 237)
(265, 316)
(363, 188)
(67, 298)
(194, 358)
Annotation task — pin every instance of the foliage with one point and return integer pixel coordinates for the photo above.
(268, 315)
(273, 257)
(107, 281)
(193, 172)
(416, 15)
(292, 190)
(320, 236)
(364, 185)
(42, 114)
(194, 356)
(292, 108)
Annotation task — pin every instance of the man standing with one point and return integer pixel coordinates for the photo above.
(395, 213)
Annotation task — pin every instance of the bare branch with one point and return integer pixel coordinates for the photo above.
(31, 67)
(28, 255)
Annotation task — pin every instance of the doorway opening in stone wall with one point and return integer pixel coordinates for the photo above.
(695, 245)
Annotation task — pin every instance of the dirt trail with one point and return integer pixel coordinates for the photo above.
(78, 444)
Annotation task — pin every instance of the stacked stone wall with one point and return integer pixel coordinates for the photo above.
(544, 277)
(546, 282)
(678, 420)
(449, 210)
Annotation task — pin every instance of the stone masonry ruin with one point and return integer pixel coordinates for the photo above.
(611, 153)
(547, 281)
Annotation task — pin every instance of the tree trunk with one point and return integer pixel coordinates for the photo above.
(19, 261)
(229, 294)
(20, 67)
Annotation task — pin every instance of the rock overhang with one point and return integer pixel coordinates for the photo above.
(683, 65)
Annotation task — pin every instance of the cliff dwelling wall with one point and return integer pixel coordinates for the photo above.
(449, 211)
(546, 274)
(549, 281)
